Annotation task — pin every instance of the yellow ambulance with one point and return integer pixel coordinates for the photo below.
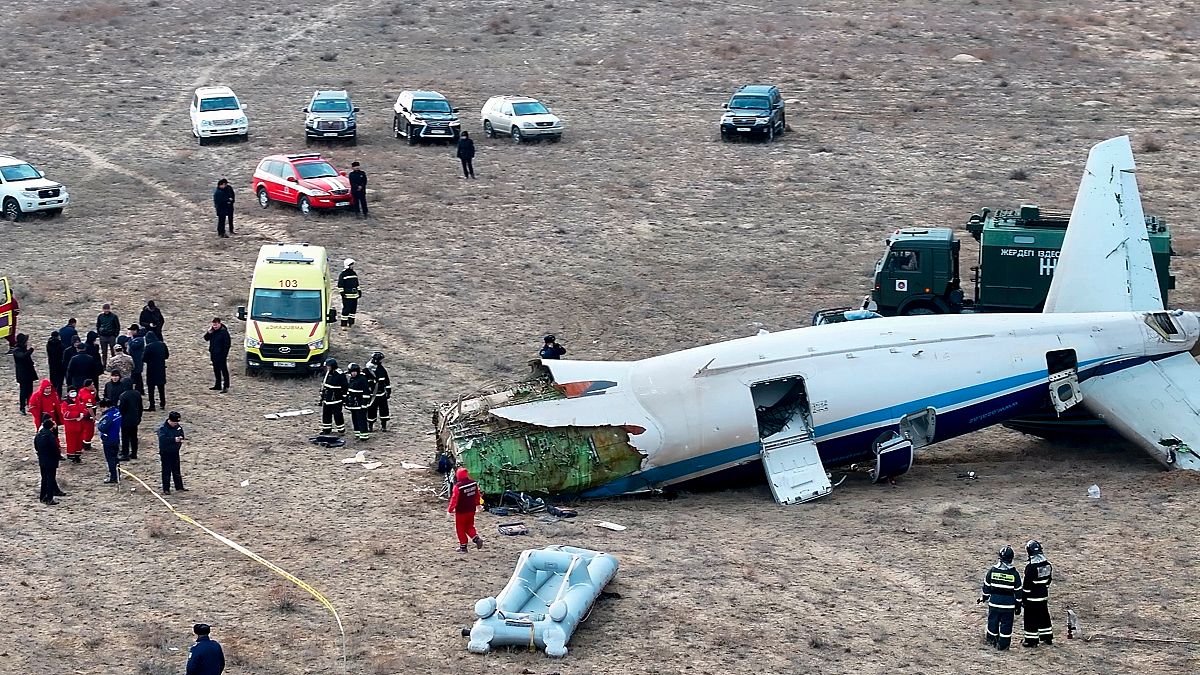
(289, 311)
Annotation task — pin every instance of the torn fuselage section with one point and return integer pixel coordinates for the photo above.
(554, 458)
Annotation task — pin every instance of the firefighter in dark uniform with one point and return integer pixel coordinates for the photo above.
(348, 286)
(333, 393)
(551, 349)
(1038, 573)
(379, 412)
(359, 393)
(1002, 591)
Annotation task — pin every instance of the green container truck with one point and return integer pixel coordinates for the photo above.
(1018, 252)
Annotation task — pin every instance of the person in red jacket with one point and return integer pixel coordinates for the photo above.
(87, 396)
(73, 413)
(465, 499)
(45, 400)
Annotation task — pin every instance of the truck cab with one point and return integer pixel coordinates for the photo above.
(289, 309)
(918, 273)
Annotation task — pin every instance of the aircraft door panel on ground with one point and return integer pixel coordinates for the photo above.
(789, 454)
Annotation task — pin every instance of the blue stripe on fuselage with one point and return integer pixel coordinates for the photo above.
(856, 446)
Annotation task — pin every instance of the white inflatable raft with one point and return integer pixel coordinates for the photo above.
(547, 597)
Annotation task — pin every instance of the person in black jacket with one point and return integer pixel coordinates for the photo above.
(332, 398)
(379, 411)
(155, 359)
(359, 394)
(348, 286)
(81, 367)
(1036, 596)
(223, 201)
(48, 454)
(218, 351)
(54, 361)
(205, 657)
(135, 347)
(466, 153)
(551, 349)
(130, 405)
(93, 349)
(114, 387)
(170, 442)
(108, 327)
(151, 319)
(1002, 592)
(68, 333)
(22, 355)
(358, 188)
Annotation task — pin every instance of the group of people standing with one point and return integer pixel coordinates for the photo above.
(1006, 595)
(362, 391)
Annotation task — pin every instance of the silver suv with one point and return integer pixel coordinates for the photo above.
(424, 115)
(330, 115)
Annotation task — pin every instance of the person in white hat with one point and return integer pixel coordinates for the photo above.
(348, 285)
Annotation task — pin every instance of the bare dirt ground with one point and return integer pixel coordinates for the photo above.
(639, 233)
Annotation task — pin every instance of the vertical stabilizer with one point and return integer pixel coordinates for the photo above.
(1105, 264)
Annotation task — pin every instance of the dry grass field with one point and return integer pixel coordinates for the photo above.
(640, 233)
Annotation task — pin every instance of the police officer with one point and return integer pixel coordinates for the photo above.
(170, 442)
(206, 656)
(358, 399)
(348, 285)
(551, 349)
(379, 412)
(358, 188)
(1002, 591)
(1036, 589)
(333, 394)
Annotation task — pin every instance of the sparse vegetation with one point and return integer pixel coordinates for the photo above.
(283, 598)
(328, 56)
(1151, 144)
(1018, 174)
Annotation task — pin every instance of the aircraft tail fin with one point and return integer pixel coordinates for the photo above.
(1105, 264)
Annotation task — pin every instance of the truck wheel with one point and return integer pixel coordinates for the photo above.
(920, 310)
(12, 210)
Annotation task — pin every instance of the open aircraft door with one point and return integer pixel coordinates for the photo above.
(8, 312)
(1063, 369)
(789, 454)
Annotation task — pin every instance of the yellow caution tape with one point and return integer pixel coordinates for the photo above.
(252, 555)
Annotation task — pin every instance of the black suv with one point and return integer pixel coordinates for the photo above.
(330, 115)
(754, 110)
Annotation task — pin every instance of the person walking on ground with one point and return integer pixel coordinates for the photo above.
(69, 332)
(358, 188)
(1038, 574)
(108, 327)
(109, 427)
(130, 405)
(379, 411)
(465, 500)
(54, 361)
(73, 413)
(223, 201)
(205, 657)
(1002, 592)
(48, 454)
(358, 399)
(22, 355)
(151, 319)
(87, 397)
(466, 154)
(155, 361)
(348, 286)
(121, 362)
(114, 387)
(218, 341)
(551, 349)
(80, 367)
(170, 442)
(333, 395)
(45, 401)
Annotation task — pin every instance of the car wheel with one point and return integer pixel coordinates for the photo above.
(264, 200)
(555, 139)
(516, 135)
(12, 210)
(354, 140)
(770, 133)
(396, 126)
(413, 136)
(202, 140)
(488, 130)
(307, 141)
(724, 136)
(305, 207)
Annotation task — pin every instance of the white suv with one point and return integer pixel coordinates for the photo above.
(216, 112)
(521, 118)
(24, 189)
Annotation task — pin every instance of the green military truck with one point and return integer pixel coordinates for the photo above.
(1018, 251)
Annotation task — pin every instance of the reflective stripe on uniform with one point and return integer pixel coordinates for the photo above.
(1036, 599)
(1046, 631)
(1008, 587)
(1006, 635)
(990, 604)
(331, 402)
(1043, 583)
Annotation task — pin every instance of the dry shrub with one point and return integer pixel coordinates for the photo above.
(500, 24)
(152, 636)
(328, 56)
(379, 548)
(283, 598)
(727, 50)
(385, 665)
(157, 528)
(156, 667)
(952, 511)
(94, 14)
(1151, 144)
(1018, 174)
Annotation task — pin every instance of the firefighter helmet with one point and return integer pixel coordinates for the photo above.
(1034, 547)
(331, 363)
(377, 357)
(1006, 554)
(353, 367)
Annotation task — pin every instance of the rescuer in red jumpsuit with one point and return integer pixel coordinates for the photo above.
(465, 499)
(73, 413)
(45, 401)
(87, 397)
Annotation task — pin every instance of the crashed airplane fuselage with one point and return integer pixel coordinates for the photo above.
(873, 392)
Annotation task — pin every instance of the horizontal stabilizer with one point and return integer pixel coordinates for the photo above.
(1105, 264)
(1156, 405)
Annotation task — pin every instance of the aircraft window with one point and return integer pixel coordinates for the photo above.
(1162, 324)
(906, 261)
